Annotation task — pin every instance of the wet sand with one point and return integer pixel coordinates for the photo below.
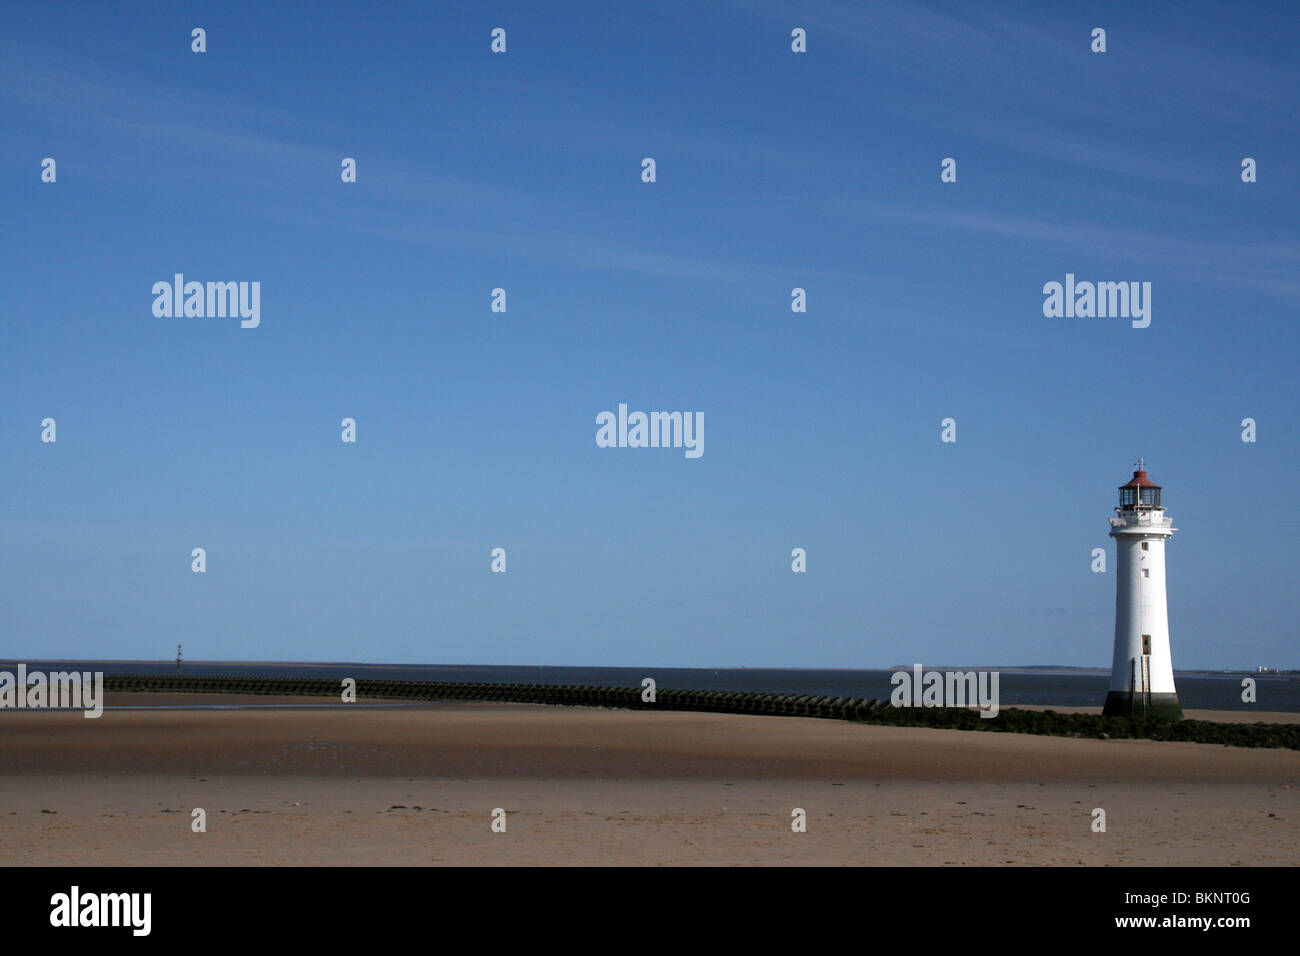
(417, 784)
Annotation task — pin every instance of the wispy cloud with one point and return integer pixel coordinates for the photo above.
(1267, 265)
(1013, 82)
(140, 111)
(121, 107)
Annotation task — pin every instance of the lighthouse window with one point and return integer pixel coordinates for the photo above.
(1151, 497)
(1145, 546)
(1146, 572)
(1127, 497)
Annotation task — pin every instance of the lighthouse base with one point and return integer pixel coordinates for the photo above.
(1122, 703)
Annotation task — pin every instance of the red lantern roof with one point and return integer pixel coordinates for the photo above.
(1140, 480)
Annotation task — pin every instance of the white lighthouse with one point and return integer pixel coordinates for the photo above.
(1142, 673)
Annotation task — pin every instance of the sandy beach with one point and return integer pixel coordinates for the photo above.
(417, 785)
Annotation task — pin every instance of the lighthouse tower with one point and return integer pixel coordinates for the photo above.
(1142, 674)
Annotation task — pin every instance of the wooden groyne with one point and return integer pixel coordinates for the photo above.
(871, 711)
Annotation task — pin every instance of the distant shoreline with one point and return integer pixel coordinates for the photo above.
(1005, 668)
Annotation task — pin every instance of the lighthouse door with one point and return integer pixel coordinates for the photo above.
(1146, 673)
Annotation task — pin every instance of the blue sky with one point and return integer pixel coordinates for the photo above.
(477, 429)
